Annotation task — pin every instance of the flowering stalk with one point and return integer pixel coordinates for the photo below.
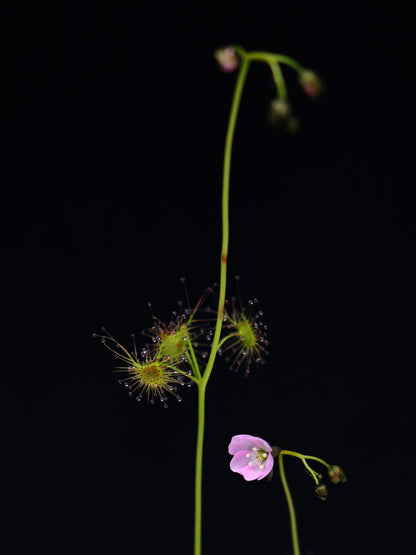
(253, 458)
(242, 74)
(335, 474)
(172, 358)
(229, 59)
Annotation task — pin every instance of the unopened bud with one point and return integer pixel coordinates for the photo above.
(321, 492)
(310, 83)
(336, 474)
(279, 109)
(280, 114)
(227, 59)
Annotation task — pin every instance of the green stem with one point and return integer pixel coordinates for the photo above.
(309, 457)
(292, 514)
(289, 62)
(226, 338)
(312, 472)
(193, 363)
(242, 74)
(271, 58)
(198, 467)
(279, 81)
(317, 459)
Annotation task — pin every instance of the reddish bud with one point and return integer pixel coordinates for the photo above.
(227, 59)
(310, 83)
(336, 474)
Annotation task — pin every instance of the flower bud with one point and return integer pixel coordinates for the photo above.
(336, 474)
(310, 83)
(321, 492)
(227, 59)
(279, 109)
(280, 114)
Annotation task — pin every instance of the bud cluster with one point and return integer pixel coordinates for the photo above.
(280, 115)
(335, 475)
(230, 58)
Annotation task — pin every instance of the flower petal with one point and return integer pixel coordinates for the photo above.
(262, 444)
(251, 473)
(268, 466)
(243, 442)
(240, 443)
(240, 460)
(239, 463)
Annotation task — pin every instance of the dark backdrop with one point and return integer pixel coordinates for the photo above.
(115, 120)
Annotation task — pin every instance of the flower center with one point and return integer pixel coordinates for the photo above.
(257, 457)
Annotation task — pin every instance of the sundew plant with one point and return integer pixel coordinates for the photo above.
(184, 350)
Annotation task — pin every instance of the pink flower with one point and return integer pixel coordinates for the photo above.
(252, 458)
(227, 59)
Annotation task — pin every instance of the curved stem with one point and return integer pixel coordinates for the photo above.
(226, 338)
(193, 363)
(317, 459)
(270, 57)
(289, 62)
(279, 81)
(309, 457)
(189, 376)
(292, 514)
(242, 74)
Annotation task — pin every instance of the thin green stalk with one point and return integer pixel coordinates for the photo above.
(193, 363)
(198, 467)
(241, 78)
(242, 74)
(289, 62)
(292, 514)
(272, 58)
(309, 457)
(279, 81)
(315, 475)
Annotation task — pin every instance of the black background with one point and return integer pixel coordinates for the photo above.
(115, 120)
